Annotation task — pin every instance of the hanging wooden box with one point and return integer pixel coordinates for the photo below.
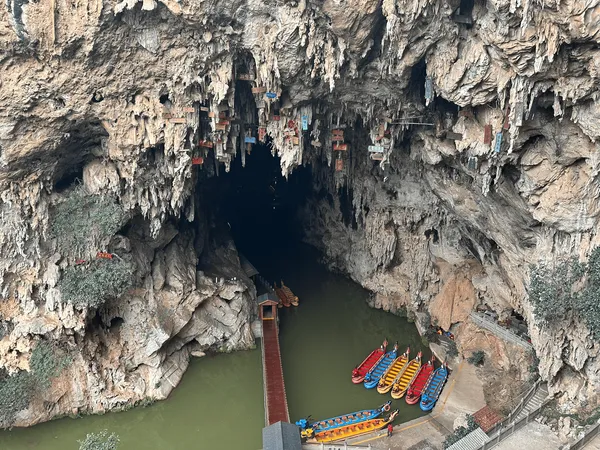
(454, 136)
(467, 20)
(104, 255)
(519, 114)
(189, 109)
(197, 160)
(259, 90)
(339, 165)
(376, 148)
(498, 142)
(178, 120)
(428, 89)
(207, 144)
(245, 77)
(204, 108)
(487, 134)
(506, 125)
(276, 118)
(340, 147)
(212, 114)
(295, 140)
(376, 156)
(262, 133)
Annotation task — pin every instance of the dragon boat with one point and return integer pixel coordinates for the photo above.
(434, 387)
(372, 377)
(406, 377)
(308, 430)
(356, 429)
(415, 389)
(359, 372)
(393, 372)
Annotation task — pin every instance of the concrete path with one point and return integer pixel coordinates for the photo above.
(463, 393)
(594, 444)
(534, 435)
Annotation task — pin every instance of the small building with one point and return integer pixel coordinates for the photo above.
(281, 436)
(267, 306)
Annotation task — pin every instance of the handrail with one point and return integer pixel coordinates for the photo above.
(588, 435)
(492, 326)
(512, 428)
(515, 412)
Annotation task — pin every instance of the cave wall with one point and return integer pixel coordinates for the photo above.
(91, 89)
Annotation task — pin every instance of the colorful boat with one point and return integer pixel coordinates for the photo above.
(372, 377)
(393, 372)
(434, 387)
(307, 429)
(415, 389)
(286, 296)
(358, 374)
(406, 377)
(357, 429)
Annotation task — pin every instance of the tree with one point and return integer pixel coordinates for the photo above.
(99, 441)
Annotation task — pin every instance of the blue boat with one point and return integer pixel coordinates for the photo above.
(372, 377)
(433, 388)
(309, 429)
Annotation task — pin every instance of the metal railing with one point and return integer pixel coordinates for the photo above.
(515, 412)
(333, 447)
(589, 434)
(512, 428)
(499, 331)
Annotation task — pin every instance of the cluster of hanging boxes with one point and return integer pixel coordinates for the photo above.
(222, 120)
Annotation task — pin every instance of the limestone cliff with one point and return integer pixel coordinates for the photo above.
(500, 171)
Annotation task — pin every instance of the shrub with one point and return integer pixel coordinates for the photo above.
(15, 393)
(46, 363)
(100, 441)
(452, 349)
(92, 284)
(82, 221)
(461, 432)
(568, 286)
(476, 357)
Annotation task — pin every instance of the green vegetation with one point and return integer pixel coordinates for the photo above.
(92, 284)
(17, 390)
(100, 441)
(15, 393)
(569, 287)
(461, 432)
(452, 349)
(476, 358)
(46, 362)
(82, 221)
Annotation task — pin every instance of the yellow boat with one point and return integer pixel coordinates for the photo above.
(408, 375)
(389, 377)
(357, 429)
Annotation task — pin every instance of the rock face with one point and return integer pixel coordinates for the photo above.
(499, 172)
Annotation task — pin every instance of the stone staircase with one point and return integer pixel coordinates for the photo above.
(534, 403)
(472, 441)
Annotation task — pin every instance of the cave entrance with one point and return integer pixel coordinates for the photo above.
(260, 206)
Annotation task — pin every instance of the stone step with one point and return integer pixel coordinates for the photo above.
(471, 441)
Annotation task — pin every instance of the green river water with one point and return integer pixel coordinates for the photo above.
(219, 403)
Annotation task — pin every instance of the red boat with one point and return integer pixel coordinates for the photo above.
(358, 374)
(416, 387)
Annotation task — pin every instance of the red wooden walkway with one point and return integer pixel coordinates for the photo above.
(276, 408)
